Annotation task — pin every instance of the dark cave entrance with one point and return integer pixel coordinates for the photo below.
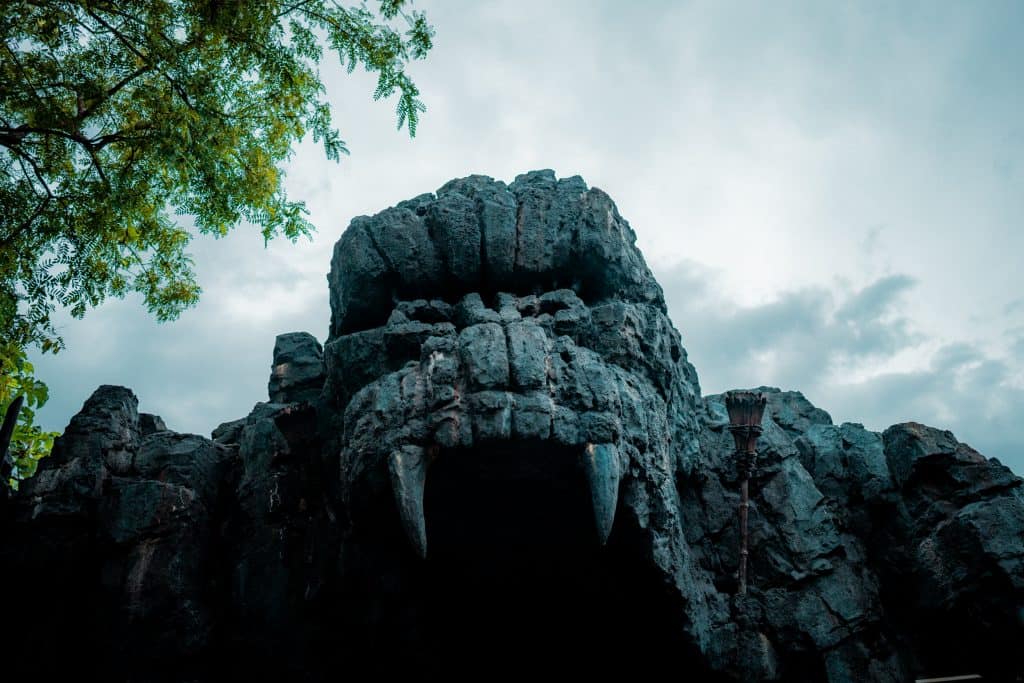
(515, 579)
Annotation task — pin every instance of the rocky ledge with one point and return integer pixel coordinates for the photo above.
(501, 457)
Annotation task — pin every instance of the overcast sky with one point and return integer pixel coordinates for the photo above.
(868, 157)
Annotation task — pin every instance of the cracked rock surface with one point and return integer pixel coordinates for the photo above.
(499, 457)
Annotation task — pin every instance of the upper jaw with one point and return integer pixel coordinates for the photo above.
(491, 375)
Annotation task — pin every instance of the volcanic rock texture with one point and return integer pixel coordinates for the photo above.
(500, 461)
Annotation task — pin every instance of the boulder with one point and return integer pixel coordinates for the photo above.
(297, 373)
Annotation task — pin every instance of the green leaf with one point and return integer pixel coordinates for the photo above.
(118, 144)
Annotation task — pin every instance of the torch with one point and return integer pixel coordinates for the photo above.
(745, 411)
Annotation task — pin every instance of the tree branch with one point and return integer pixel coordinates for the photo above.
(10, 137)
(291, 8)
(22, 158)
(18, 134)
(97, 165)
(88, 111)
(21, 69)
(117, 34)
(135, 51)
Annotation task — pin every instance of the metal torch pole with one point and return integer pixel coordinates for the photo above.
(745, 459)
(744, 504)
(745, 408)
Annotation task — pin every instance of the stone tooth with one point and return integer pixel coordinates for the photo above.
(408, 467)
(601, 464)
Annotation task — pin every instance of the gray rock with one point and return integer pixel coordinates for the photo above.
(297, 373)
(148, 424)
(484, 353)
(956, 542)
(479, 235)
(502, 446)
(125, 520)
(227, 433)
(472, 311)
(528, 351)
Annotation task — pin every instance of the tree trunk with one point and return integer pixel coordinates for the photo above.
(6, 432)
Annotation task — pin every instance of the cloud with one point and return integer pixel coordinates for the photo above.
(213, 363)
(856, 354)
(1014, 307)
(962, 390)
(873, 147)
(796, 337)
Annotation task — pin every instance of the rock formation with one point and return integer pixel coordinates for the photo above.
(501, 458)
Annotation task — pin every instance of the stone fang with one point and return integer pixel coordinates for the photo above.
(601, 464)
(408, 467)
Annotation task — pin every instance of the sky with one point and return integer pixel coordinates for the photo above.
(830, 194)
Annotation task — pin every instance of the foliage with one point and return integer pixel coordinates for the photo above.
(119, 117)
(29, 443)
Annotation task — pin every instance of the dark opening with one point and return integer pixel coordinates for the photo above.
(515, 578)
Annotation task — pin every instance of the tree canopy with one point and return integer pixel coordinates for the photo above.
(118, 119)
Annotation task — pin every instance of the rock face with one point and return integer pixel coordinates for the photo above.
(298, 370)
(501, 456)
(115, 540)
(864, 563)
